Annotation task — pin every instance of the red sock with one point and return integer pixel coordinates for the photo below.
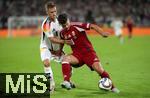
(66, 70)
(106, 75)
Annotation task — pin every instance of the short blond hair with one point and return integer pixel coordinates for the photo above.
(49, 5)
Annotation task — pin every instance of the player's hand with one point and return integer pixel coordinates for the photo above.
(105, 34)
(58, 53)
(69, 42)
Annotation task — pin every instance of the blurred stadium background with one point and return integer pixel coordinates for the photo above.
(28, 14)
(128, 64)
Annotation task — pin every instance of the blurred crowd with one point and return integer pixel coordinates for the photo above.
(94, 11)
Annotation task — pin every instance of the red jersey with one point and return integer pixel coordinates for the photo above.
(76, 33)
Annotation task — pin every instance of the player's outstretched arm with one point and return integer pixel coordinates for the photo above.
(99, 30)
(60, 41)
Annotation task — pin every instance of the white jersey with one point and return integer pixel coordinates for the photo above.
(117, 26)
(50, 29)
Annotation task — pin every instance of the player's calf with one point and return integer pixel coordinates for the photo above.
(99, 69)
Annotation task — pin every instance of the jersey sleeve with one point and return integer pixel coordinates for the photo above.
(85, 26)
(46, 27)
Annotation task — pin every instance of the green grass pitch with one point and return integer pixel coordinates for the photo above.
(128, 64)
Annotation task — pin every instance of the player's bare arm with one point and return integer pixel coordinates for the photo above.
(59, 52)
(60, 41)
(99, 30)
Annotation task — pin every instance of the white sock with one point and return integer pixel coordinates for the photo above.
(49, 70)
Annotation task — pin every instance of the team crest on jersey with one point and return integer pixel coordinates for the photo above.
(53, 30)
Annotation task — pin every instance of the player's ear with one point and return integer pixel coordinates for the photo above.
(68, 22)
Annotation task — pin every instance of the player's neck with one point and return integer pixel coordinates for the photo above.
(53, 20)
(67, 27)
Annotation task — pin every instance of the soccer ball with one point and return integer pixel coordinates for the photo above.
(105, 84)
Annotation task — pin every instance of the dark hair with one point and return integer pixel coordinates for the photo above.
(49, 5)
(62, 18)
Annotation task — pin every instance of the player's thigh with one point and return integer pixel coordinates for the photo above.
(71, 59)
(118, 32)
(45, 56)
(91, 59)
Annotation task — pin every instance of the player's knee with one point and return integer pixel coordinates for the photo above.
(46, 63)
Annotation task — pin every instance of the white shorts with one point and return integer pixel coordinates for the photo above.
(46, 54)
(118, 32)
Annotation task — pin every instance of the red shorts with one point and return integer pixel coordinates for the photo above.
(130, 27)
(86, 58)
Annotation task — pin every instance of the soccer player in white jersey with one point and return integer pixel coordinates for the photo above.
(51, 44)
(117, 25)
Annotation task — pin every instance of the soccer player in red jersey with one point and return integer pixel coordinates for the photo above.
(83, 51)
(129, 23)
